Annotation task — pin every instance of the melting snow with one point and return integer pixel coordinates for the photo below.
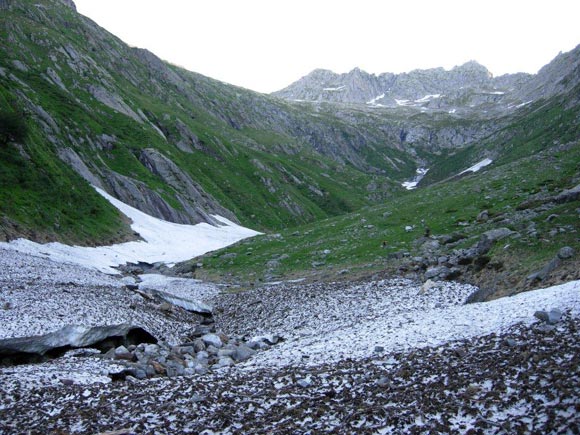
(477, 166)
(373, 102)
(340, 88)
(405, 319)
(410, 185)
(403, 102)
(163, 242)
(524, 104)
(427, 98)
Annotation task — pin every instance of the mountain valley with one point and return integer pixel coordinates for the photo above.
(354, 253)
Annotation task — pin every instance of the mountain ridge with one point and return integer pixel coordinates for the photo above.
(469, 86)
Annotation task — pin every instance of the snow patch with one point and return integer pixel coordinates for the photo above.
(163, 242)
(478, 166)
(427, 98)
(524, 104)
(403, 102)
(373, 102)
(403, 319)
(340, 88)
(412, 184)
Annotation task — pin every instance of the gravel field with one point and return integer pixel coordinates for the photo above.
(377, 357)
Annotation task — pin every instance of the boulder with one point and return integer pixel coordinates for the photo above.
(225, 361)
(243, 353)
(545, 272)
(566, 252)
(212, 340)
(483, 216)
(568, 195)
(498, 234)
(551, 317)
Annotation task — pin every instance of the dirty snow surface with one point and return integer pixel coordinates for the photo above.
(163, 242)
(376, 357)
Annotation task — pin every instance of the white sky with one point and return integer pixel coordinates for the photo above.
(265, 45)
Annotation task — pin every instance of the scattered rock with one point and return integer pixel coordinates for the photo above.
(212, 340)
(551, 317)
(566, 252)
(483, 216)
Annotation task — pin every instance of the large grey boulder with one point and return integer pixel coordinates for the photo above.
(569, 195)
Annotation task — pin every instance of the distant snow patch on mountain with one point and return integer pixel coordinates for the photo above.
(340, 88)
(485, 162)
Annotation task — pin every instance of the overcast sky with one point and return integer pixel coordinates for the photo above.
(265, 45)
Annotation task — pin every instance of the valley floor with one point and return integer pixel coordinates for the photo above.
(375, 357)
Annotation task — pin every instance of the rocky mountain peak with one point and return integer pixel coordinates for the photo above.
(467, 87)
(473, 66)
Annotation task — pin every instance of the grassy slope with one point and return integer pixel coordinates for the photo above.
(287, 189)
(532, 162)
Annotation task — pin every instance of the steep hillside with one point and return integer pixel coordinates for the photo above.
(174, 144)
(451, 226)
(81, 107)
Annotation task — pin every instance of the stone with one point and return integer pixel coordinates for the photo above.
(554, 316)
(437, 272)
(541, 315)
(166, 307)
(383, 382)
(483, 216)
(243, 353)
(545, 272)
(122, 353)
(223, 362)
(201, 369)
(569, 195)
(511, 342)
(498, 234)
(551, 317)
(174, 369)
(379, 349)
(212, 340)
(226, 352)
(566, 252)
(199, 345)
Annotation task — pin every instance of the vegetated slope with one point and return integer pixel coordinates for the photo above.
(429, 231)
(175, 144)
(183, 147)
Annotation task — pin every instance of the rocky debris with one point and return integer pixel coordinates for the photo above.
(489, 387)
(206, 350)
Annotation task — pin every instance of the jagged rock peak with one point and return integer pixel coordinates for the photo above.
(473, 66)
